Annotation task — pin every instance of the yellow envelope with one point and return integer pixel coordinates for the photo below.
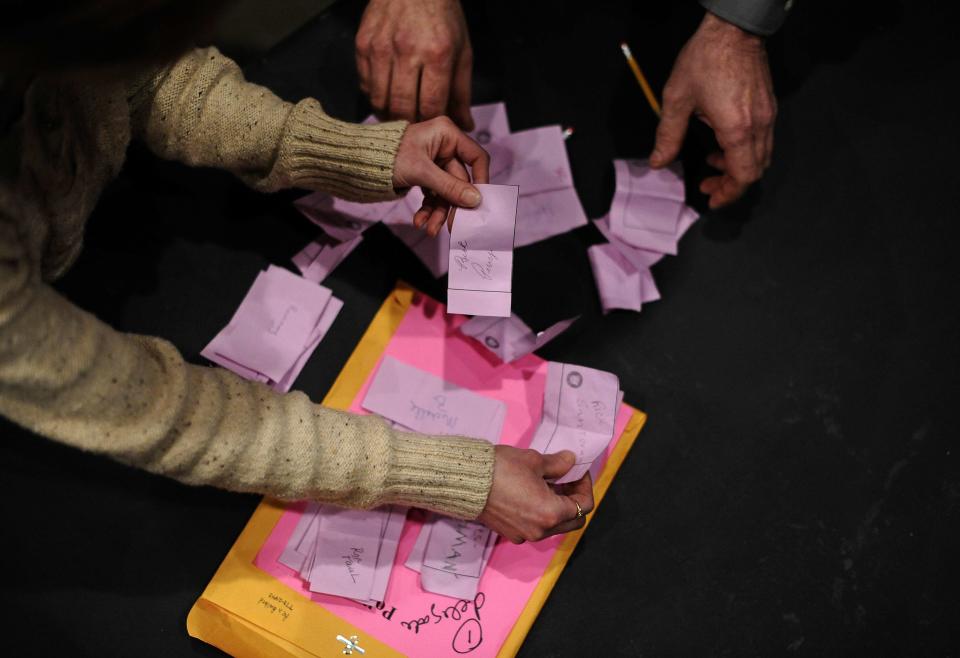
(249, 614)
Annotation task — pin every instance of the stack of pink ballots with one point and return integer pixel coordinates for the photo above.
(450, 554)
(276, 328)
(534, 160)
(647, 218)
(348, 553)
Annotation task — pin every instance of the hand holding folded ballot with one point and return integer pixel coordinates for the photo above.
(523, 506)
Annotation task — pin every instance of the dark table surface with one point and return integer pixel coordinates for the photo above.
(796, 488)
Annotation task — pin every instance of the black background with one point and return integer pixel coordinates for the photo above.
(796, 488)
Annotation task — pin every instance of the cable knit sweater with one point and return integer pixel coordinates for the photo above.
(67, 376)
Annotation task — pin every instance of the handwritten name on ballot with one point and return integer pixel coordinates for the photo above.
(425, 403)
(348, 543)
(481, 254)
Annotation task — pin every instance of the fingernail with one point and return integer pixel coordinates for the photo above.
(470, 198)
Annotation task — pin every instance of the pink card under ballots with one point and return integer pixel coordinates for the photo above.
(481, 254)
(579, 414)
(427, 338)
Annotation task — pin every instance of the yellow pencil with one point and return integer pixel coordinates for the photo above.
(644, 85)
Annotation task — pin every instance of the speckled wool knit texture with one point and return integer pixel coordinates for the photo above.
(66, 375)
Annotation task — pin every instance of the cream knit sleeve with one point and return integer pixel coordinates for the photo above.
(201, 111)
(66, 375)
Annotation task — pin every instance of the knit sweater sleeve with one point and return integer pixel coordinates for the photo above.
(66, 375)
(201, 111)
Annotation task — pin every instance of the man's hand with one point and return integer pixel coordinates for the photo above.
(722, 76)
(523, 506)
(415, 60)
(434, 155)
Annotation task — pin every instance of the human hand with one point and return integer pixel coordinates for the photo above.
(723, 77)
(523, 506)
(433, 155)
(415, 59)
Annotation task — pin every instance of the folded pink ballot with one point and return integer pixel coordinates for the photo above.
(295, 552)
(277, 326)
(647, 205)
(319, 258)
(425, 403)
(454, 557)
(579, 412)
(545, 214)
(330, 314)
(481, 254)
(538, 161)
(510, 338)
(346, 552)
(619, 283)
(640, 258)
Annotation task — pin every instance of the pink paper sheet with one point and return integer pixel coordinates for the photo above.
(579, 414)
(276, 327)
(330, 313)
(424, 403)
(647, 206)
(619, 283)
(490, 122)
(510, 338)
(428, 339)
(539, 161)
(319, 258)
(544, 215)
(345, 220)
(455, 556)
(639, 258)
(481, 254)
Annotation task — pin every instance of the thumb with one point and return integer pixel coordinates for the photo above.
(449, 187)
(557, 464)
(670, 133)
